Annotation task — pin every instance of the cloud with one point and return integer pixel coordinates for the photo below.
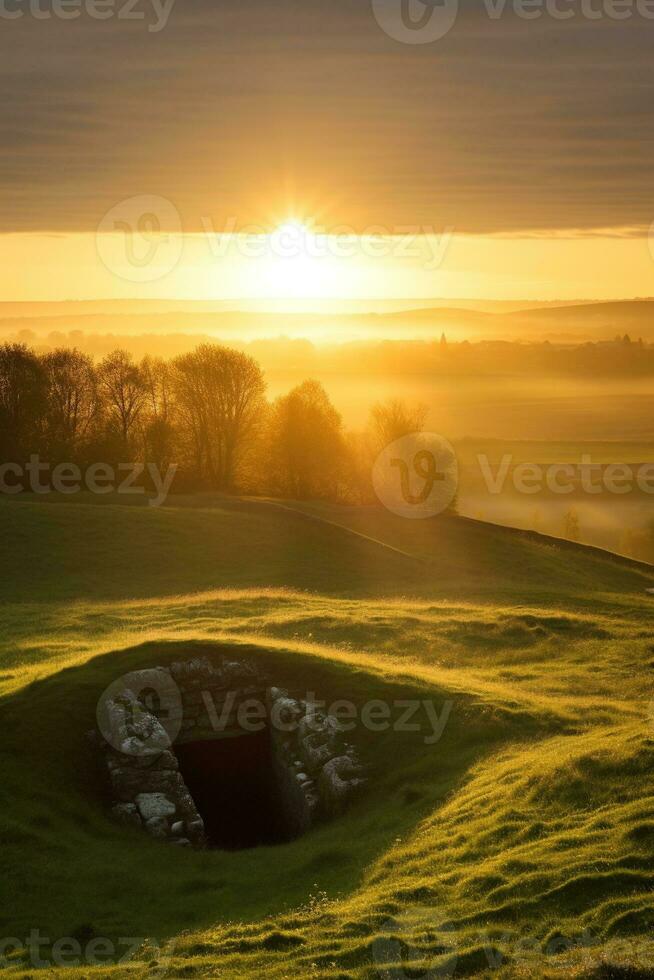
(249, 111)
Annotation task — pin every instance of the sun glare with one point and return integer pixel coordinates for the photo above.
(291, 227)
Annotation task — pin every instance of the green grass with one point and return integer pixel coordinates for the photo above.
(530, 822)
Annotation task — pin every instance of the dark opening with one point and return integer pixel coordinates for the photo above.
(233, 785)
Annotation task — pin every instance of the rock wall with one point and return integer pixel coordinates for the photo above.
(148, 712)
(211, 698)
(317, 770)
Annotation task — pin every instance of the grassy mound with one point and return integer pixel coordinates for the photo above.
(520, 844)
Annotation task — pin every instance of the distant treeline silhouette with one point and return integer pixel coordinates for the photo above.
(621, 356)
(205, 411)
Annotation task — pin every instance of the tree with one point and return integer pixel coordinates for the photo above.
(73, 402)
(122, 384)
(571, 526)
(638, 542)
(23, 402)
(157, 382)
(219, 394)
(393, 419)
(307, 450)
(159, 436)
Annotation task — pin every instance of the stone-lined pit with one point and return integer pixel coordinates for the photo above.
(183, 766)
(232, 783)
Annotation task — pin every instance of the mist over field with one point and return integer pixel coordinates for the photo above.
(488, 375)
(326, 320)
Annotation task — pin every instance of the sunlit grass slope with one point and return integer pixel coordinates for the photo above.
(521, 844)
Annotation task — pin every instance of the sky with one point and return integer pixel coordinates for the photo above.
(525, 143)
(65, 266)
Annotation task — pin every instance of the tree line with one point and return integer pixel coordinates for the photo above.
(205, 411)
(621, 357)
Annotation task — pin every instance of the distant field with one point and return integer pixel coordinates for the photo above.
(511, 408)
(561, 451)
(613, 521)
(523, 840)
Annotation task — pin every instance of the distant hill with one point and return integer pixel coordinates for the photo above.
(142, 307)
(338, 321)
(596, 321)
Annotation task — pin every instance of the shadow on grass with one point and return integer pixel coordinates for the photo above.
(68, 865)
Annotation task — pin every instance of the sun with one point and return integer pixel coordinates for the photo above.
(291, 238)
(291, 227)
(298, 262)
(293, 241)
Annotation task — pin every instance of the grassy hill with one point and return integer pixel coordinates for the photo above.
(520, 844)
